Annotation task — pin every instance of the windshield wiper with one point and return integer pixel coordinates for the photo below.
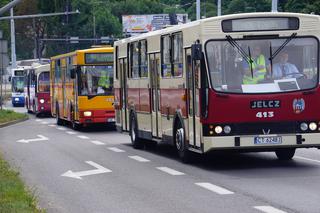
(293, 35)
(246, 57)
(271, 64)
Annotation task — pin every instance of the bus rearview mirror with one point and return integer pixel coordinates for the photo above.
(73, 73)
(196, 50)
(9, 79)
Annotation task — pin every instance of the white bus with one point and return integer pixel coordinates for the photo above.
(244, 82)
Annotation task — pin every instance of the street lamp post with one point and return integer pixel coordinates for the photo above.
(198, 9)
(274, 6)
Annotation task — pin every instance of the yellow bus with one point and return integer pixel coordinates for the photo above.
(81, 87)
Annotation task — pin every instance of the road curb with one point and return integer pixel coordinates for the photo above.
(14, 122)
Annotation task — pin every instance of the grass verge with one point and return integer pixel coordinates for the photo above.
(14, 197)
(9, 115)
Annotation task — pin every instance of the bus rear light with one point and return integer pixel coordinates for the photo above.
(313, 126)
(87, 113)
(218, 129)
(227, 129)
(41, 101)
(304, 126)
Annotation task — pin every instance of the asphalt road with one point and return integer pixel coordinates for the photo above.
(107, 175)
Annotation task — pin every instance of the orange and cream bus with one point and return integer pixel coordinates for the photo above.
(81, 87)
(243, 82)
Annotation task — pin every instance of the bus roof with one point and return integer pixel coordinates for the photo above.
(42, 68)
(176, 28)
(90, 50)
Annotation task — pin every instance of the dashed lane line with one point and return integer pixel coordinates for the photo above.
(61, 128)
(98, 143)
(307, 159)
(170, 171)
(44, 122)
(52, 125)
(38, 120)
(214, 188)
(71, 133)
(138, 158)
(115, 149)
(269, 209)
(83, 137)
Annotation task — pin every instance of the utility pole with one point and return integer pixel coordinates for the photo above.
(9, 6)
(274, 6)
(219, 8)
(13, 42)
(198, 9)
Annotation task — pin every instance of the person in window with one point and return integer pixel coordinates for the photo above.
(84, 87)
(259, 67)
(103, 83)
(285, 69)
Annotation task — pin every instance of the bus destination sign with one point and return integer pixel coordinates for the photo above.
(98, 58)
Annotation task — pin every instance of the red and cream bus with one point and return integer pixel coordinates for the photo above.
(186, 84)
(37, 88)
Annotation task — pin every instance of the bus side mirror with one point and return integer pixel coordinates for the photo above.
(196, 50)
(9, 79)
(33, 77)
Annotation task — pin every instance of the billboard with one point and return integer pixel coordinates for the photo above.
(136, 24)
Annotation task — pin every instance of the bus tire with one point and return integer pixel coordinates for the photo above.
(285, 154)
(181, 143)
(135, 140)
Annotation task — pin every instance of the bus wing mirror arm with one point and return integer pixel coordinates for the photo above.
(73, 73)
(9, 79)
(196, 50)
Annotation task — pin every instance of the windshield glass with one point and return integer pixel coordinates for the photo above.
(264, 65)
(96, 80)
(43, 82)
(17, 84)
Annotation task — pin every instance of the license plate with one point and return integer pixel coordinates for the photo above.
(268, 140)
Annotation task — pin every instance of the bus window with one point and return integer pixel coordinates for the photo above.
(44, 82)
(166, 56)
(135, 60)
(96, 80)
(143, 61)
(17, 84)
(177, 54)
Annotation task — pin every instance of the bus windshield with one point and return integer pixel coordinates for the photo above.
(18, 84)
(263, 65)
(44, 82)
(96, 80)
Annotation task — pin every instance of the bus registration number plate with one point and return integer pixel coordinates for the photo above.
(268, 140)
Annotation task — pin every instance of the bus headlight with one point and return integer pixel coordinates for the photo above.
(41, 101)
(227, 129)
(312, 126)
(218, 129)
(303, 126)
(16, 99)
(87, 113)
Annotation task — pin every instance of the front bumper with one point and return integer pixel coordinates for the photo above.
(247, 142)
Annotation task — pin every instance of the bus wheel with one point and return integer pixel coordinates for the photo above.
(135, 140)
(285, 154)
(181, 145)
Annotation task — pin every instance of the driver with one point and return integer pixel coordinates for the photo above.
(285, 69)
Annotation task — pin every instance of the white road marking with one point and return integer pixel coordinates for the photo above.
(38, 120)
(71, 133)
(40, 138)
(77, 175)
(115, 149)
(52, 125)
(268, 209)
(214, 188)
(308, 159)
(61, 128)
(98, 143)
(138, 158)
(170, 171)
(44, 122)
(83, 137)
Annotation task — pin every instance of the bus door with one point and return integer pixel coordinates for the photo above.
(123, 93)
(64, 90)
(154, 60)
(192, 72)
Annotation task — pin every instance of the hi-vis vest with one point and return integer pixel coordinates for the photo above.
(257, 75)
(104, 81)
